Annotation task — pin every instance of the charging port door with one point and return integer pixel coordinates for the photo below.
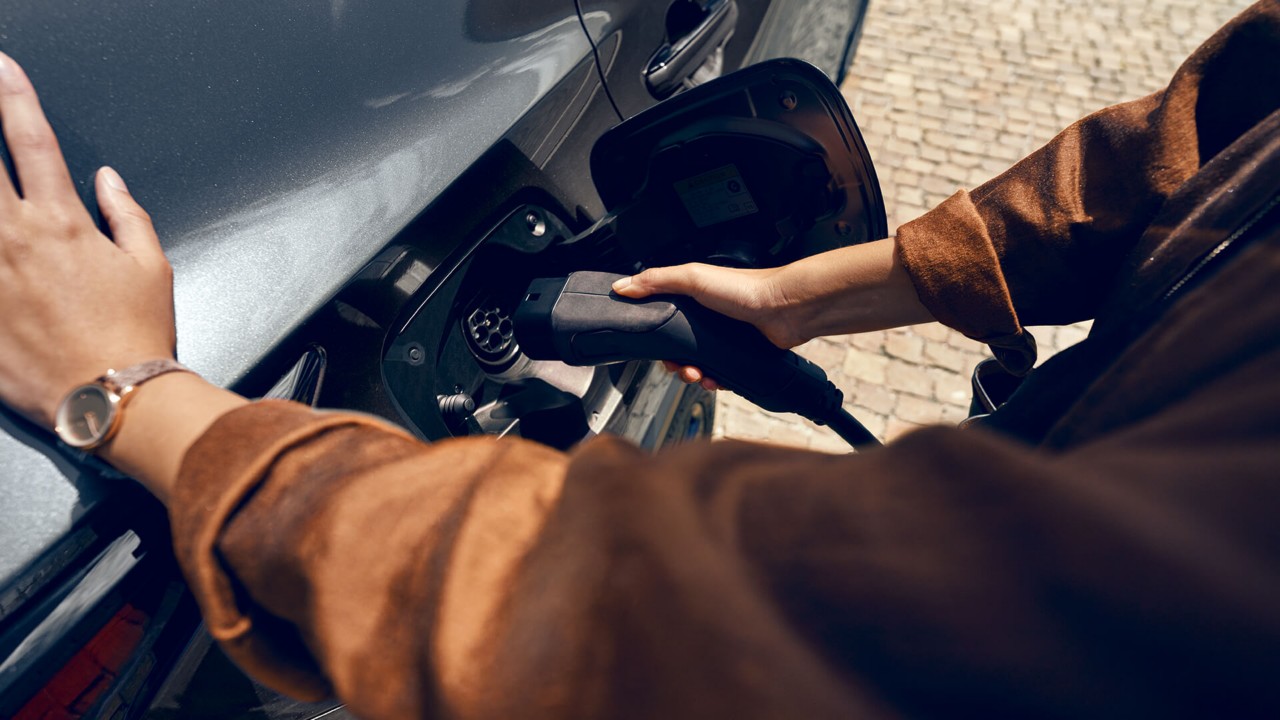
(754, 169)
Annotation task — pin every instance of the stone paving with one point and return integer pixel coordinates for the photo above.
(949, 93)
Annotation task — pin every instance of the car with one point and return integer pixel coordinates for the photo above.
(351, 195)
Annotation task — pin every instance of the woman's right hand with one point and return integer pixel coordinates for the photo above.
(849, 290)
(752, 296)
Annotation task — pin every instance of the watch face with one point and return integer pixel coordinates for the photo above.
(85, 416)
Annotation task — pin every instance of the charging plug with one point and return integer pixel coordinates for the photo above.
(579, 320)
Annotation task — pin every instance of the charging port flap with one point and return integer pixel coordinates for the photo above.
(754, 169)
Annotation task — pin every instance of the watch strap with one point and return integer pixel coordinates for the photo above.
(121, 382)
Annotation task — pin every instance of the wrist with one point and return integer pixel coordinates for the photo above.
(49, 389)
(166, 416)
(90, 414)
(791, 307)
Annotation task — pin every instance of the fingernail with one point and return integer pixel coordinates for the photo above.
(621, 284)
(113, 179)
(6, 68)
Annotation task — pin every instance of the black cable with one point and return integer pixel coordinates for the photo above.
(851, 431)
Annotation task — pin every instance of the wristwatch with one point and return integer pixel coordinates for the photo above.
(90, 415)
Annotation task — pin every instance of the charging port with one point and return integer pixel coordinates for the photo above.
(461, 345)
(456, 368)
(491, 336)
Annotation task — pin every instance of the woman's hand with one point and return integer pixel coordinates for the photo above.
(74, 304)
(849, 290)
(748, 295)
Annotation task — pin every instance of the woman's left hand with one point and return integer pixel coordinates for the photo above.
(73, 304)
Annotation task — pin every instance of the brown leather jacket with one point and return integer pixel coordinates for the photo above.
(1127, 564)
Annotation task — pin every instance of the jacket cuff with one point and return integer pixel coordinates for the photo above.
(953, 264)
(219, 475)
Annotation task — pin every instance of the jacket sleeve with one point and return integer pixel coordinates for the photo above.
(952, 573)
(1041, 243)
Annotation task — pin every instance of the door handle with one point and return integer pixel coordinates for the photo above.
(680, 57)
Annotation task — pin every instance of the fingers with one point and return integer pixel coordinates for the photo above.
(691, 374)
(8, 194)
(41, 170)
(680, 279)
(129, 222)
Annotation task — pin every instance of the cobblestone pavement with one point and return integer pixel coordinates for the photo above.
(949, 93)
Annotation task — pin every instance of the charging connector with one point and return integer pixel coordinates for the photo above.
(579, 320)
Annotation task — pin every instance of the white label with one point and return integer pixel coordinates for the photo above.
(716, 196)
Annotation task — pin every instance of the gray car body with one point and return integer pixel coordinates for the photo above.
(280, 146)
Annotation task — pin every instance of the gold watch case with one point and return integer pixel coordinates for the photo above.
(88, 416)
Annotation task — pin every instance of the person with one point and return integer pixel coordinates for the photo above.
(1109, 548)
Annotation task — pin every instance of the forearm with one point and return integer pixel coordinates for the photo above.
(850, 290)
